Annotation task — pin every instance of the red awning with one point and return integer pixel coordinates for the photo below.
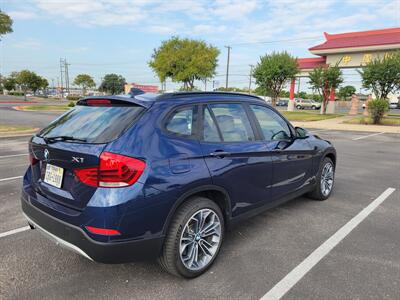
(311, 63)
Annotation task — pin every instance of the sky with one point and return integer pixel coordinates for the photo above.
(118, 36)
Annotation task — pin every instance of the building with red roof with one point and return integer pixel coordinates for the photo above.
(348, 50)
(371, 40)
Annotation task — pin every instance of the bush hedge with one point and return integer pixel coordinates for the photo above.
(73, 98)
(377, 108)
(16, 93)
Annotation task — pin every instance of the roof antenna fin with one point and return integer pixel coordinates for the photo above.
(135, 91)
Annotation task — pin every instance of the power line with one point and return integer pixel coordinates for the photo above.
(279, 41)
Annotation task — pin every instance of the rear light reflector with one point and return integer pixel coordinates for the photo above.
(114, 170)
(102, 231)
(32, 159)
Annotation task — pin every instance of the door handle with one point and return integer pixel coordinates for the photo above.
(219, 153)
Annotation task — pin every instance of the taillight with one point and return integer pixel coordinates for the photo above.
(102, 231)
(114, 170)
(98, 102)
(32, 159)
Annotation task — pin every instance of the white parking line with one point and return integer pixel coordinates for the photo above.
(10, 178)
(367, 136)
(294, 276)
(13, 155)
(14, 231)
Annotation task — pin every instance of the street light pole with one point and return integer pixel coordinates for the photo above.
(227, 66)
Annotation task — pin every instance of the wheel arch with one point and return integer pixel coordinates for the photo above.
(215, 193)
(332, 156)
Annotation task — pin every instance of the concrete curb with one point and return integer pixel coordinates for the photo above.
(336, 124)
(15, 134)
(20, 108)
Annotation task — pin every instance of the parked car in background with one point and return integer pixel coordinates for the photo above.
(393, 105)
(307, 104)
(282, 102)
(119, 178)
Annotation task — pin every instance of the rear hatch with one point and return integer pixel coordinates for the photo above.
(66, 154)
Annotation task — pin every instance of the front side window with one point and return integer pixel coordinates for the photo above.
(273, 127)
(233, 122)
(181, 122)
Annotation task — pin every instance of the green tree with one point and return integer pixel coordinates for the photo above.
(322, 80)
(302, 95)
(5, 23)
(184, 60)
(28, 80)
(382, 75)
(273, 71)
(113, 84)
(346, 92)
(10, 82)
(38, 83)
(84, 81)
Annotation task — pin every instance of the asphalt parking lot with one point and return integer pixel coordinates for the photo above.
(256, 254)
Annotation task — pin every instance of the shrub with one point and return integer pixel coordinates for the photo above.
(71, 104)
(377, 109)
(73, 98)
(16, 93)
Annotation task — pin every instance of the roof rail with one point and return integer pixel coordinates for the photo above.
(178, 94)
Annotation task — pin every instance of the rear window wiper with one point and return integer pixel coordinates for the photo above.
(62, 138)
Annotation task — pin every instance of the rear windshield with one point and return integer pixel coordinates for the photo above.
(93, 124)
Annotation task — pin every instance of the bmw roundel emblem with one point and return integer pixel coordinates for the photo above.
(46, 154)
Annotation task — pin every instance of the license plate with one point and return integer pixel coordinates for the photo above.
(53, 175)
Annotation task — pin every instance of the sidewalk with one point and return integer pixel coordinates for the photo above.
(337, 124)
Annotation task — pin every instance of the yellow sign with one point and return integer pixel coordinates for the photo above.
(346, 59)
(388, 55)
(367, 58)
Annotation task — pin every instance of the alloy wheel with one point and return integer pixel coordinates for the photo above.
(327, 176)
(200, 239)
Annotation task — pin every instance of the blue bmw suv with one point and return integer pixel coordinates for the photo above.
(118, 178)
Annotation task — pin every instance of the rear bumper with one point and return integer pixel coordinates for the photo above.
(75, 239)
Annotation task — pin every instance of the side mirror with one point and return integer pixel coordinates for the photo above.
(301, 133)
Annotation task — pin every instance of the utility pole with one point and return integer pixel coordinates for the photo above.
(251, 73)
(62, 67)
(66, 75)
(205, 84)
(227, 66)
(52, 85)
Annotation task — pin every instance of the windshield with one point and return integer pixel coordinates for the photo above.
(92, 124)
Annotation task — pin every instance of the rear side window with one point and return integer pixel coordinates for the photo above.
(181, 122)
(94, 124)
(210, 130)
(232, 122)
(273, 127)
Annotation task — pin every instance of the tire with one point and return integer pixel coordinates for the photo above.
(313, 107)
(298, 107)
(171, 259)
(318, 193)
